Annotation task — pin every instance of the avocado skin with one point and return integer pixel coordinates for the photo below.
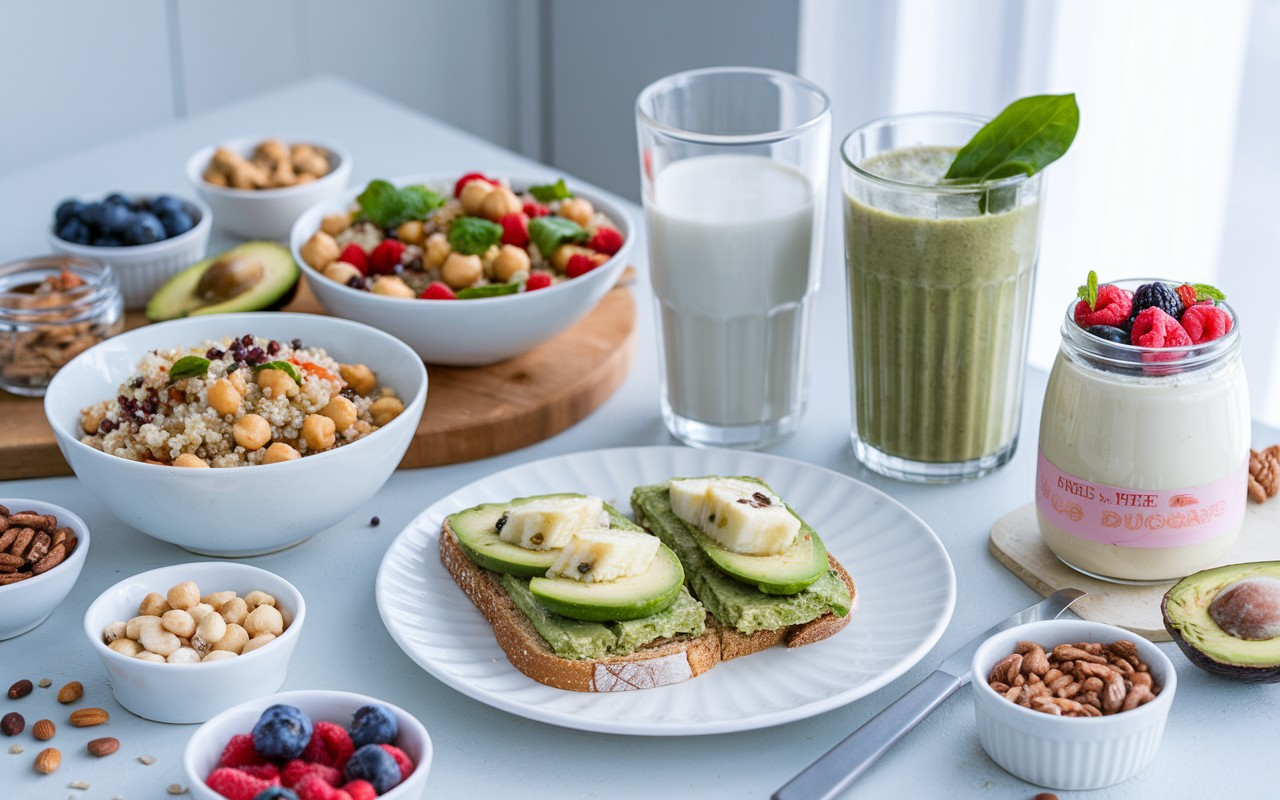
(176, 297)
(1185, 613)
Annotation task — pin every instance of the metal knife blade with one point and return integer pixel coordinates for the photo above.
(842, 764)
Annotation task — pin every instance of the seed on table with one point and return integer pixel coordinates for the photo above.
(48, 760)
(88, 717)
(12, 724)
(45, 683)
(19, 689)
(44, 730)
(71, 692)
(104, 746)
(177, 788)
(15, 749)
(81, 785)
(147, 760)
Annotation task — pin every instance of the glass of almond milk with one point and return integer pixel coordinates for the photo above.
(734, 165)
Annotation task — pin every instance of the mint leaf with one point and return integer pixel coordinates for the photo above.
(1206, 292)
(488, 290)
(284, 366)
(1089, 292)
(418, 201)
(386, 206)
(550, 232)
(472, 236)
(547, 192)
(1023, 139)
(188, 367)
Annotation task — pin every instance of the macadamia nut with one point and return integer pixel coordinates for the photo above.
(112, 632)
(234, 640)
(183, 655)
(199, 611)
(126, 647)
(257, 641)
(184, 595)
(256, 598)
(147, 655)
(158, 640)
(153, 605)
(264, 619)
(216, 599)
(234, 611)
(218, 655)
(178, 622)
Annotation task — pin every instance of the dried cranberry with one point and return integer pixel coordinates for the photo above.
(213, 354)
(356, 282)
(106, 426)
(296, 344)
(273, 347)
(247, 339)
(255, 355)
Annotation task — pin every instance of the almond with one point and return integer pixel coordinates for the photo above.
(44, 730)
(71, 692)
(104, 746)
(48, 760)
(88, 717)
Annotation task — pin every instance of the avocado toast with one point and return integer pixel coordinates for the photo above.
(762, 573)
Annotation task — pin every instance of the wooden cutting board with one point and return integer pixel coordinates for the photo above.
(1015, 542)
(471, 412)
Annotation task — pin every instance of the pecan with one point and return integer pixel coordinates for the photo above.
(29, 519)
(1125, 649)
(1058, 682)
(1047, 706)
(1090, 670)
(39, 546)
(10, 562)
(1092, 684)
(20, 544)
(6, 536)
(1052, 675)
(1091, 711)
(1141, 679)
(1264, 473)
(1006, 669)
(1035, 661)
(7, 578)
(1090, 699)
(1124, 667)
(1070, 708)
(1070, 690)
(54, 557)
(1067, 652)
(1136, 697)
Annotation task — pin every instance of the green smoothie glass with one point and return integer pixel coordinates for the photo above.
(939, 282)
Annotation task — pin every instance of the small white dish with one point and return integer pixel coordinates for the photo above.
(29, 602)
(267, 213)
(183, 693)
(205, 746)
(142, 268)
(1069, 752)
(467, 333)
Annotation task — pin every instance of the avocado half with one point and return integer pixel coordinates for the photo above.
(1185, 610)
(254, 276)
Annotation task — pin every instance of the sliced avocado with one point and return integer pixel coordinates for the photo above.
(1227, 620)
(477, 532)
(254, 276)
(625, 598)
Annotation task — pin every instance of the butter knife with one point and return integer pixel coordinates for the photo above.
(829, 775)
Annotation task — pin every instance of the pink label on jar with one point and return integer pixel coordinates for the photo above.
(1140, 517)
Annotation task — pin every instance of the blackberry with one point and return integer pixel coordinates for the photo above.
(1110, 333)
(1160, 295)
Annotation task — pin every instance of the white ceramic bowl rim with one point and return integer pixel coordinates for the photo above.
(361, 443)
(245, 144)
(66, 518)
(290, 633)
(436, 181)
(90, 251)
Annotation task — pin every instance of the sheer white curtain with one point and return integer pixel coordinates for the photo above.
(1144, 190)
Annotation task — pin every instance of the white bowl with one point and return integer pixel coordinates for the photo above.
(206, 744)
(28, 603)
(467, 333)
(183, 693)
(142, 268)
(237, 511)
(1069, 752)
(266, 213)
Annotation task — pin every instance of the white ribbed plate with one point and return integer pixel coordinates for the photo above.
(906, 593)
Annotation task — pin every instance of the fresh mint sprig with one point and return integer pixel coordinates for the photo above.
(1029, 135)
(188, 367)
(547, 192)
(1089, 292)
(1206, 292)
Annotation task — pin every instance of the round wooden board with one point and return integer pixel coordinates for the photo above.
(471, 412)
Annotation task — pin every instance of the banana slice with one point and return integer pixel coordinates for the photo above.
(598, 556)
(741, 516)
(546, 523)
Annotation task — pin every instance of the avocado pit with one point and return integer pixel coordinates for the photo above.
(229, 276)
(1249, 609)
(1227, 620)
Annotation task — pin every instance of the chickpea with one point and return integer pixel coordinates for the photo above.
(383, 410)
(499, 203)
(341, 410)
(276, 383)
(359, 377)
(320, 250)
(577, 209)
(560, 258)
(238, 382)
(342, 272)
(391, 286)
(279, 451)
(251, 432)
(190, 460)
(473, 197)
(224, 397)
(336, 223)
(487, 258)
(435, 250)
(90, 421)
(317, 431)
(411, 232)
(510, 260)
(461, 271)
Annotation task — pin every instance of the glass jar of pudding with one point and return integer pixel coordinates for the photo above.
(1144, 454)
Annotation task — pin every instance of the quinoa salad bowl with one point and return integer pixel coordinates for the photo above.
(201, 431)
(465, 298)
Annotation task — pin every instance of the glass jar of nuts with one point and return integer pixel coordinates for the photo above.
(52, 308)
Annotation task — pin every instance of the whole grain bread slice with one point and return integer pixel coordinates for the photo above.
(658, 664)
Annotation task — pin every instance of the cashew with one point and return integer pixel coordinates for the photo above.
(112, 632)
(158, 640)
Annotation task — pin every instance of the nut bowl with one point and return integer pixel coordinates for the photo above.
(183, 693)
(206, 744)
(267, 213)
(205, 510)
(1069, 752)
(30, 601)
(473, 332)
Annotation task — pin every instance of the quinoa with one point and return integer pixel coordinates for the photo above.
(154, 420)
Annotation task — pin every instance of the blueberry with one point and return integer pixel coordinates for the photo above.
(375, 765)
(166, 204)
(175, 222)
(144, 228)
(107, 241)
(276, 793)
(66, 210)
(115, 218)
(74, 231)
(117, 199)
(91, 215)
(1111, 334)
(373, 725)
(282, 732)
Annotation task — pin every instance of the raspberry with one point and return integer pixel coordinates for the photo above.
(533, 209)
(1205, 322)
(515, 229)
(313, 787)
(360, 790)
(235, 785)
(402, 760)
(386, 256)
(1187, 294)
(579, 264)
(1159, 295)
(1113, 308)
(330, 745)
(355, 255)
(537, 280)
(297, 770)
(468, 178)
(607, 240)
(265, 772)
(1154, 328)
(437, 291)
(240, 752)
